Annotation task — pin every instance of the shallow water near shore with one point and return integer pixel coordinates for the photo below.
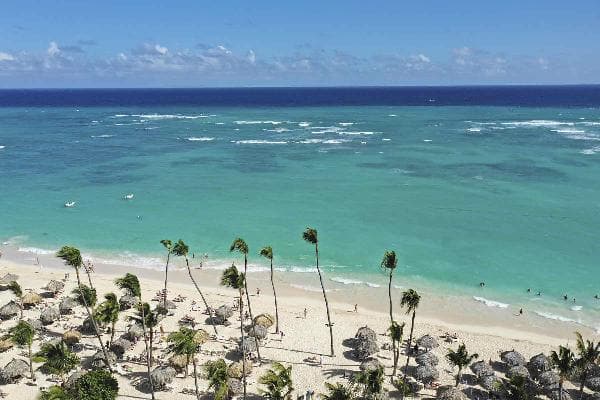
(502, 195)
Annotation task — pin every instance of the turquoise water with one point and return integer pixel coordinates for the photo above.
(509, 196)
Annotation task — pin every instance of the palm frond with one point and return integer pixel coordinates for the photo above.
(310, 235)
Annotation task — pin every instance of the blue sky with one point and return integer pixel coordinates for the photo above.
(277, 43)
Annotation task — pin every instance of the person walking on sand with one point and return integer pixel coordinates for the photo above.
(356, 308)
(520, 311)
(305, 312)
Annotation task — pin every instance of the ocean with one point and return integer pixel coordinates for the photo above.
(467, 184)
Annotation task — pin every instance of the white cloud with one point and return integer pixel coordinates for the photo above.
(53, 49)
(251, 57)
(161, 49)
(6, 57)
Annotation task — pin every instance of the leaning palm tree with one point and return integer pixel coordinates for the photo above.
(85, 295)
(240, 245)
(72, 257)
(108, 313)
(410, 300)
(216, 373)
(169, 246)
(564, 362)
(181, 249)
(232, 278)
(310, 236)
(389, 263)
(182, 343)
(396, 331)
(278, 382)
(22, 335)
(15, 288)
(267, 252)
(58, 359)
(461, 359)
(338, 391)
(150, 319)
(589, 354)
(131, 284)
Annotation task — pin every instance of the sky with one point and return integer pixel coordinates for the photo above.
(151, 43)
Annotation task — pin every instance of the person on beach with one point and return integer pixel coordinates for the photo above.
(565, 297)
(355, 308)
(258, 291)
(520, 311)
(481, 284)
(305, 312)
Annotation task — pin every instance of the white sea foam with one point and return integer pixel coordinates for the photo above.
(427, 140)
(576, 134)
(346, 281)
(304, 124)
(255, 141)
(593, 150)
(554, 317)
(590, 123)
(368, 133)
(335, 141)
(258, 122)
(102, 136)
(538, 123)
(200, 139)
(576, 308)
(307, 288)
(386, 139)
(373, 285)
(303, 270)
(474, 130)
(277, 130)
(346, 123)
(490, 303)
(161, 116)
(311, 141)
(36, 250)
(392, 115)
(2, 147)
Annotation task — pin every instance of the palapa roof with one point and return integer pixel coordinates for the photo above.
(201, 337)
(10, 309)
(548, 379)
(71, 337)
(54, 286)
(518, 370)
(370, 364)
(67, 304)
(450, 393)
(264, 320)
(223, 312)
(481, 369)
(15, 369)
(427, 341)
(235, 369)
(427, 359)
(8, 278)
(539, 363)
(366, 333)
(512, 358)
(490, 383)
(426, 373)
(31, 298)
(162, 376)
(49, 315)
(366, 349)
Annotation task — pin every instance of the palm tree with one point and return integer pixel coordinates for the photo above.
(216, 373)
(232, 278)
(564, 362)
(267, 252)
(54, 393)
(58, 359)
(461, 359)
(389, 263)
(240, 245)
(149, 318)
(22, 335)
(370, 381)
(410, 300)
(131, 284)
(108, 313)
(181, 249)
(396, 331)
(338, 391)
(169, 246)
(15, 288)
(72, 257)
(310, 236)
(589, 354)
(278, 382)
(182, 343)
(87, 293)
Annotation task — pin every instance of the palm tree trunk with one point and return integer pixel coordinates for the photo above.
(148, 364)
(21, 306)
(96, 330)
(583, 379)
(329, 324)
(112, 334)
(241, 307)
(151, 343)
(394, 352)
(250, 307)
(89, 278)
(458, 377)
(210, 312)
(275, 295)
(195, 377)
(166, 278)
(412, 326)
(187, 363)
(560, 386)
(30, 362)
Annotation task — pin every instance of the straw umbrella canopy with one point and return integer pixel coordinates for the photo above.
(365, 333)
(366, 349)
(31, 299)
(235, 385)
(134, 332)
(8, 278)
(9, 310)
(264, 320)
(6, 344)
(593, 383)
(201, 337)
(222, 313)
(371, 364)
(249, 345)
(49, 315)
(548, 379)
(236, 370)
(127, 301)
(120, 346)
(428, 342)
(491, 383)
(518, 370)
(98, 359)
(162, 376)
(258, 331)
(71, 337)
(539, 363)
(55, 286)
(15, 370)
(73, 378)
(35, 324)
(66, 305)
(170, 305)
(427, 359)
(481, 369)
(179, 362)
(512, 358)
(450, 393)
(427, 373)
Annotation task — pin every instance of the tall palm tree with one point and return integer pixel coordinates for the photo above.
(589, 354)
(240, 245)
(151, 319)
(389, 263)
(370, 382)
(87, 293)
(181, 249)
(58, 359)
(310, 236)
(108, 313)
(216, 373)
(461, 359)
(169, 246)
(131, 284)
(278, 382)
(15, 288)
(234, 279)
(410, 300)
(564, 362)
(267, 252)
(396, 331)
(22, 335)
(182, 343)
(72, 257)
(338, 391)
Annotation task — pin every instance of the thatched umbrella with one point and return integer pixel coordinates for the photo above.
(427, 373)
(370, 364)
(427, 359)
(120, 346)
(6, 344)
(178, 361)
(87, 326)
(67, 304)
(223, 313)
(518, 370)
(554, 394)
(170, 305)
(236, 370)
(162, 376)
(548, 379)
(258, 331)
(71, 337)
(35, 324)
(365, 333)
(481, 369)
(134, 332)
(538, 364)
(491, 383)
(73, 378)
(98, 359)
(249, 345)
(31, 299)
(512, 358)
(264, 320)
(201, 337)
(49, 315)
(450, 393)
(428, 342)
(366, 349)
(9, 310)
(15, 370)
(235, 386)
(593, 383)
(54, 286)
(127, 301)
(8, 278)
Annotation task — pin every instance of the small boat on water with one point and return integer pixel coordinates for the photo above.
(128, 196)
(70, 204)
